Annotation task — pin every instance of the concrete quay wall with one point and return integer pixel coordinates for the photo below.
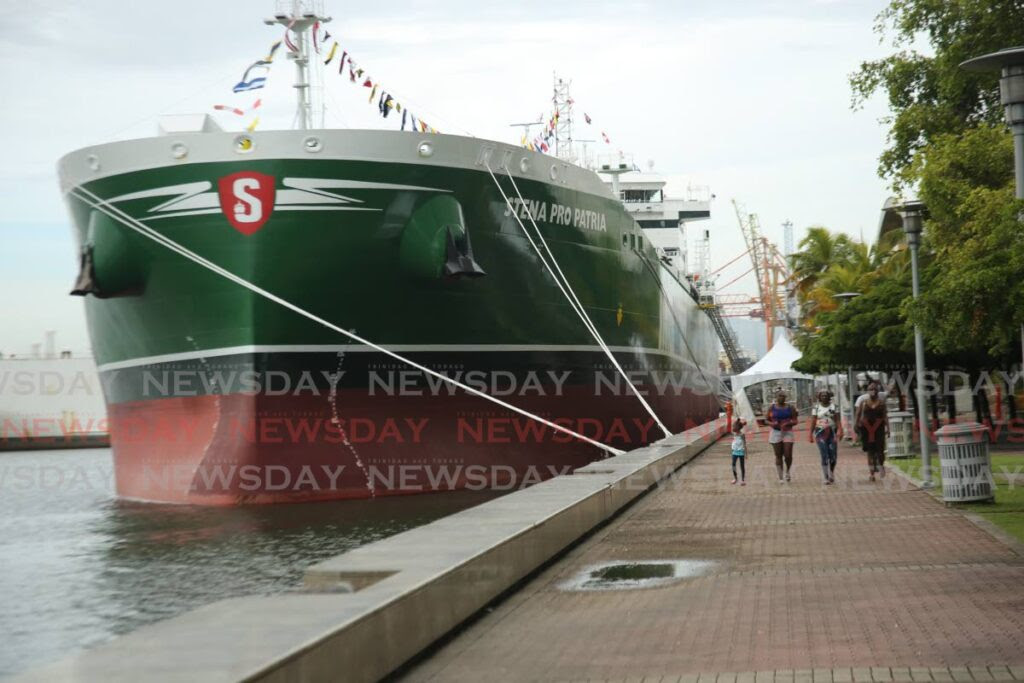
(366, 612)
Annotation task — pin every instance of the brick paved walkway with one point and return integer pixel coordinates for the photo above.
(852, 582)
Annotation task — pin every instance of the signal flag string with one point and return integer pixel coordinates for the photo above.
(96, 202)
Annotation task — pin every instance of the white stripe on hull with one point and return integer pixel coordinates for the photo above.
(359, 348)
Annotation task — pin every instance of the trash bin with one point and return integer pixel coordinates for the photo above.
(966, 465)
(901, 435)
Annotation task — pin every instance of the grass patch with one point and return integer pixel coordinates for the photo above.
(1008, 473)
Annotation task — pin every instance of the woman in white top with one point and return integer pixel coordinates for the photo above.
(826, 430)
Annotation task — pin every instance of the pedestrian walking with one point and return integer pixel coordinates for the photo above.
(739, 452)
(859, 403)
(874, 428)
(826, 430)
(782, 417)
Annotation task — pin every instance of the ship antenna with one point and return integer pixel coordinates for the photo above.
(298, 17)
(563, 125)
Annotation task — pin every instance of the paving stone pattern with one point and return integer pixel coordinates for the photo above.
(854, 582)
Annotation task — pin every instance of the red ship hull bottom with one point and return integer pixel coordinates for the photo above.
(252, 449)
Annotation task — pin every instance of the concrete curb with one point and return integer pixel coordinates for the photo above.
(365, 613)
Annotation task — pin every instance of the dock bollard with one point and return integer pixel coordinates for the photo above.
(901, 435)
(966, 464)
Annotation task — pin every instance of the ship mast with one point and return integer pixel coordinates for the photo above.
(563, 123)
(298, 17)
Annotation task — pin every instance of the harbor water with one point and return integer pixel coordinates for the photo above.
(78, 566)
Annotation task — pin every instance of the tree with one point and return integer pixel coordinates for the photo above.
(817, 251)
(828, 264)
(973, 301)
(868, 331)
(929, 95)
(947, 144)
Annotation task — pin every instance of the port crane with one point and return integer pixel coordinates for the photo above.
(770, 269)
(704, 284)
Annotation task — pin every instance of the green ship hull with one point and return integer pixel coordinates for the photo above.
(218, 395)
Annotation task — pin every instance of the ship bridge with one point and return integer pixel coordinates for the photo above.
(662, 216)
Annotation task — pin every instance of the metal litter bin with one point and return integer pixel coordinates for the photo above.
(965, 461)
(901, 435)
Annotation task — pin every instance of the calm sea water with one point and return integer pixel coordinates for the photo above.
(78, 566)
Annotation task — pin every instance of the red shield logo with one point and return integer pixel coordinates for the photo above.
(247, 199)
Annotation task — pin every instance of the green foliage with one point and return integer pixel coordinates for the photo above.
(828, 264)
(947, 140)
(868, 331)
(927, 93)
(973, 303)
(818, 250)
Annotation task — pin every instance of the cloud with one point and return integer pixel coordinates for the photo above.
(748, 97)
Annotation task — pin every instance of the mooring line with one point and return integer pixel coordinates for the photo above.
(96, 202)
(567, 289)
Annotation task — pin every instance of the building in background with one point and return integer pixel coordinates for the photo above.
(51, 400)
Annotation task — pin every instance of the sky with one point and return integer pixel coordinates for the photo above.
(749, 98)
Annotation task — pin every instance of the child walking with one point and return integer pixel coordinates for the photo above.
(739, 452)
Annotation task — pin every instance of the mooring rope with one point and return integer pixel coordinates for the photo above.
(98, 203)
(567, 289)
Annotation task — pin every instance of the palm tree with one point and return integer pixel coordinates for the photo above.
(828, 264)
(818, 251)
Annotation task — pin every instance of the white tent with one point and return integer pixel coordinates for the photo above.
(776, 367)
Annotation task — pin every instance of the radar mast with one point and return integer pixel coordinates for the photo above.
(299, 17)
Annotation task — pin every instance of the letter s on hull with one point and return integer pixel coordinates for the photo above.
(246, 199)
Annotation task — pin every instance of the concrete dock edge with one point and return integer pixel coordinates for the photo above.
(366, 612)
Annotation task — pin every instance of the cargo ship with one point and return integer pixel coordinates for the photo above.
(50, 400)
(405, 260)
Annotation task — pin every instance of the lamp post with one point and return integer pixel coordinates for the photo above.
(844, 298)
(913, 217)
(1011, 94)
(1010, 62)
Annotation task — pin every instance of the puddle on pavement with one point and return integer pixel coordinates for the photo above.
(636, 574)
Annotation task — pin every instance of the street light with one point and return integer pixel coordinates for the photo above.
(913, 218)
(843, 298)
(1011, 93)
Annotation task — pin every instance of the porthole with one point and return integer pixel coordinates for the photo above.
(244, 144)
(524, 165)
(312, 144)
(179, 150)
(425, 149)
(554, 173)
(93, 162)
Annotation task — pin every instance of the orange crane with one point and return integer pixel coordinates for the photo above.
(770, 269)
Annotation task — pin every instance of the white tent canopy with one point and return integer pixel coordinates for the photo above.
(776, 366)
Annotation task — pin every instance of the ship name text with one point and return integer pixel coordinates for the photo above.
(557, 214)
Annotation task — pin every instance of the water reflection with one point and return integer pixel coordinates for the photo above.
(78, 566)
